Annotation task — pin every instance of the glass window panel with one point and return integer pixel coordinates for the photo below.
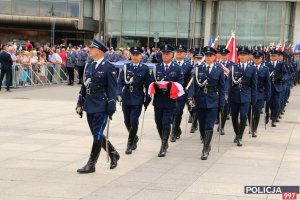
(73, 8)
(198, 11)
(59, 8)
(156, 27)
(88, 8)
(197, 30)
(113, 27)
(142, 29)
(129, 10)
(183, 10)
(273, 32)
(183, 30)
(274, 12)
(5, 6)
(128, 28)
(170, 30)
(114, 9)
(170, 14)
(29, 7)
(143, 11)
(157, 10)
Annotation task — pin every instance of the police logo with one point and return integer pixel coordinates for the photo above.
(166, 47)
(180, 46)
(157, 78)
(135, 48)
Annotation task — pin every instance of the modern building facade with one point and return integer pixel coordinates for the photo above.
(130, 22)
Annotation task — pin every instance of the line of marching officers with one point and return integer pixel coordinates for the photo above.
(213, 86)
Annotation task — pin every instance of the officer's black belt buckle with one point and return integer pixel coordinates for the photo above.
(206, 90)
(132, 87)
(96, 90)
(88, 91)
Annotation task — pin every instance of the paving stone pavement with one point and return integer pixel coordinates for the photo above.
(43, 142)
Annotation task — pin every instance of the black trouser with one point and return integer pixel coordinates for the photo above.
(71, 74)
(8, 77)
(80, 72)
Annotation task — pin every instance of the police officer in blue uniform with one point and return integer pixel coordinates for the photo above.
(134, 79)
(82, 57)
(164, 106)
(196, 60)
(224, 53)
(242, 92)
(263, 89)
(70, 65)
(277, 74)
(285, 83)
(209, 94)
(186, 67)
(97, 98)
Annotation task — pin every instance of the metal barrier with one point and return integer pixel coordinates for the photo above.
(36, 75)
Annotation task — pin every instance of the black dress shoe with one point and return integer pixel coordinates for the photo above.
(86, 169)
(204, 155)
(277, 120)
(135, 141)
(235, 139)
(254, 134)
(222, 132)
(163, 151)
(239, 143)
(128, 150)
(114, 160)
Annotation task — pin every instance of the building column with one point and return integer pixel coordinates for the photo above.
(297, 24)
(208, 18)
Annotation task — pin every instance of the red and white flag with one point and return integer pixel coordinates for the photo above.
(175, 91)
(231, 46)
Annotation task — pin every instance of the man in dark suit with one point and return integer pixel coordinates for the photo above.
(97, 98)
(6, 67)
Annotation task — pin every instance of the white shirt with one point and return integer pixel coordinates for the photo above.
(210, 67)
(245, 66)
(98, 62)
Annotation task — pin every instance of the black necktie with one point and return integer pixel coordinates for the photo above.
(207, 70)
(166, 67)
(94, 64)
(243, 67)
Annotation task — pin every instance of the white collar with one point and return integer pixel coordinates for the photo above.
(99, 61)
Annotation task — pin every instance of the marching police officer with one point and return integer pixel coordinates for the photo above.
(242, 92)
(208, 92)
(82, 56)
(277, 75)
(197, 58)
(164, 106)
(186, 67)
(134, 78)
(263, 89)
(70, 64)
(224, 53)
(97, 98)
